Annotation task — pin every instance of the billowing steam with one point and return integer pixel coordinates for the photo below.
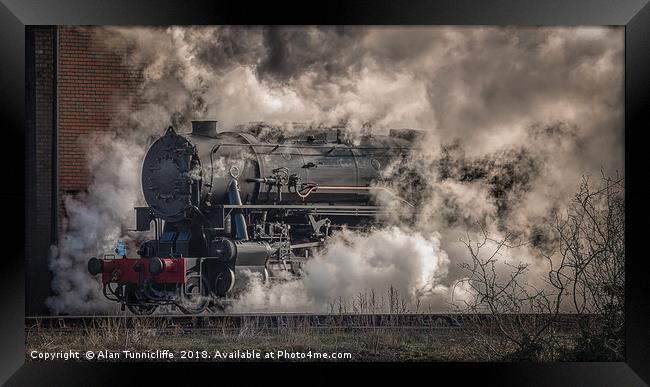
(512, 118)
(95, 221)
(364, 267)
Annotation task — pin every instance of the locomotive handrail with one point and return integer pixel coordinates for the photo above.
(275, 146)
(300, 206)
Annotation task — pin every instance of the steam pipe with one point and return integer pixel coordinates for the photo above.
(310, 189)
(238, 217)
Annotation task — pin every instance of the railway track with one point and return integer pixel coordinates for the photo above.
(228, 322)
(246, 321)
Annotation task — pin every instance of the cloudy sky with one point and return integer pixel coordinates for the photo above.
(476, 84)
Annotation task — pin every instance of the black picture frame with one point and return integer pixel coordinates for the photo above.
(16, 14)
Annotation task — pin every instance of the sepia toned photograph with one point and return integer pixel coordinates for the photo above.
(325, 193)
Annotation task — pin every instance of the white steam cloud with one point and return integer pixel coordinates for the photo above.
(354, 266)
(95, 221)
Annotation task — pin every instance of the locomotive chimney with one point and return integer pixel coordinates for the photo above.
(205, 128)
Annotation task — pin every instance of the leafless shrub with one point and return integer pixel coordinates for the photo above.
(585, 276)
(521, 313)
(591, 243)
(367, 302)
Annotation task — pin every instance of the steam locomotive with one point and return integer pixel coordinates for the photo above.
(223, 202)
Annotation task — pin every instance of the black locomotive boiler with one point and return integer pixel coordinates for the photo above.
(222, 202)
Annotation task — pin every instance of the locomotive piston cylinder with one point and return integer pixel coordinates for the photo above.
(252, 253)
(244, 253)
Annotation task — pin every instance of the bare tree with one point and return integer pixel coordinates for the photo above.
(585, 276)
(591, 242)
(522, 314)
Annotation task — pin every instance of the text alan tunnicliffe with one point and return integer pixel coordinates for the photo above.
(165, 354)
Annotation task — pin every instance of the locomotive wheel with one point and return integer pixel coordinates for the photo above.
(194, 299)
(142, 310)
(224, 282)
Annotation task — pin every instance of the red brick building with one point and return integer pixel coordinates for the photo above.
(73, 81)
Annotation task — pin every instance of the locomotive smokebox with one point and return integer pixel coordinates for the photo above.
(171, 175)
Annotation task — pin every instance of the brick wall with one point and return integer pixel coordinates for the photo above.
(73, 85)
(92, 80)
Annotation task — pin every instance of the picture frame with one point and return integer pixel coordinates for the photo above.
(633, 14)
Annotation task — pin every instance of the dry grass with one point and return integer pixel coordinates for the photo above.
(365, 344)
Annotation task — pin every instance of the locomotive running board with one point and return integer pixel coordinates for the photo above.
(314, 209)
